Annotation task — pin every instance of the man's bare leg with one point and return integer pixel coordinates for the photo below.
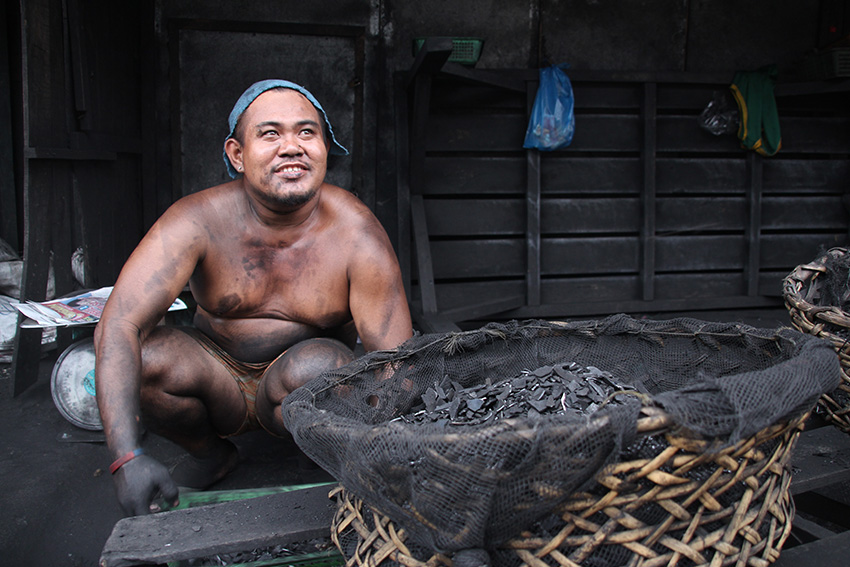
(301, 363)
(188, 397)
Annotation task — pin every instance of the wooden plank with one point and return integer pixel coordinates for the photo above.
(786, 251)
(579, 175)
(484, 309)
(827, 552)
(804, 212)
(702, 175)
(821, 458)
(799, 135)
(432, 322)
(532, 216)
(483, 174)
(648, 206)
(753, 227)
(228, 527)
(450, 95)
(68, 154)
(700, 252)
(422, 246)
(475, 217)
(578, 215)
(474, 175)
(506, 132)
(604, 308)
(676, 253)
(8, 190)
(683, 214)
(806, 174)
(402, 134)
(478, 258)
(431, 58)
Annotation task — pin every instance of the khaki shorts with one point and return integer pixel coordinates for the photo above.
(248, 376)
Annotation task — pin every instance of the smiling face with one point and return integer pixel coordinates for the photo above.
(281, 149)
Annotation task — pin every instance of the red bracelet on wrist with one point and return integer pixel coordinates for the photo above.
(123, 460)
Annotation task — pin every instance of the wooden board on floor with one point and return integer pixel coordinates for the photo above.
(821, 458)
(828, 552)
(228, 527)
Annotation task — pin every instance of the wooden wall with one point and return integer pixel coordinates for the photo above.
(644, 211)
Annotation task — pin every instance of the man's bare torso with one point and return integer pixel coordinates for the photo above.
(262, 289)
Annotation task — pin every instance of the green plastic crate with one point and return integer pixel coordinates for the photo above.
(465, 50)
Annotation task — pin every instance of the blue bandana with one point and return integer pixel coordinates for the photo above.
(259, 88)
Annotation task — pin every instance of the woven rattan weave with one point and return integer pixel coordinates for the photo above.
(723, 398)
(686, 507)
(810, 313)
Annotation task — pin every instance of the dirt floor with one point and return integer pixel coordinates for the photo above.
(58, 503)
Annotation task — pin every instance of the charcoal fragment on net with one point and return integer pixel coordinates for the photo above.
(565, 388)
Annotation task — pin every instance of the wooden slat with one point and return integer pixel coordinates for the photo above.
(604, 308)
(820, 459)
(503, 132)
(479, 258)
(799, 135)
(8, 191)
(702, 175)
(403, 237)
(449, 95)
(788, 250)
(475, 217)
(475, 175)
(532, 215)
(564, 172)
(806, 174)
(228, 527)
(753, 227)
(828, 552)
(423, 255)
(648, 206)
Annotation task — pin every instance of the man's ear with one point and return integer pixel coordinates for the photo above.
(233, 149)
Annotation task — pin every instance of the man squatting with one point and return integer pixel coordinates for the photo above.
(287, 272)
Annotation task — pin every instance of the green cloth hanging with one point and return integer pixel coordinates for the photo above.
(759, 120)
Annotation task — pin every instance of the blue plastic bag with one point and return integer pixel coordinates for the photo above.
(552, 121)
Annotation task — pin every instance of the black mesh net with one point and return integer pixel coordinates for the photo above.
(475, 485)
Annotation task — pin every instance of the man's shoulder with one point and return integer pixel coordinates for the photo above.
(343, 202)
(211, 196)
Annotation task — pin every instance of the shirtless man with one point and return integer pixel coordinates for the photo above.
(287, 271)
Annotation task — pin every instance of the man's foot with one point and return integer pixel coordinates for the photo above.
(201, 473)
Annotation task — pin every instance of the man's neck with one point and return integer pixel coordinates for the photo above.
(281, 217)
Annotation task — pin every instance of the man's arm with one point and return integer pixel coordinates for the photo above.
(149, 282)
(376, 294)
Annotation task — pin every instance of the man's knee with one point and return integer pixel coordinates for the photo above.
(308, 359)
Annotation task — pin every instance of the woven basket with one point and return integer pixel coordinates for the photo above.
(682, 490)
(802, 291)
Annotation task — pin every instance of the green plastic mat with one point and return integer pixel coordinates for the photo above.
(190, 499)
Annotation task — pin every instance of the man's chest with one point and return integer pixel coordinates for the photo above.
(275, 284)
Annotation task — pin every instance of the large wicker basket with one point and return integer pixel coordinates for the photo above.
(688, 506)
(802, 289)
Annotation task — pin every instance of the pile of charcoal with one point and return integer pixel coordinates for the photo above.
(319, 552)
(565, 388)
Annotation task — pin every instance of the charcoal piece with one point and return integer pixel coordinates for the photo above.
(475, 404)
(542, 371)
(453, 408)
(430, 400)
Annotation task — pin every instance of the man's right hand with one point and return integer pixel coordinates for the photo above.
(141, 480)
